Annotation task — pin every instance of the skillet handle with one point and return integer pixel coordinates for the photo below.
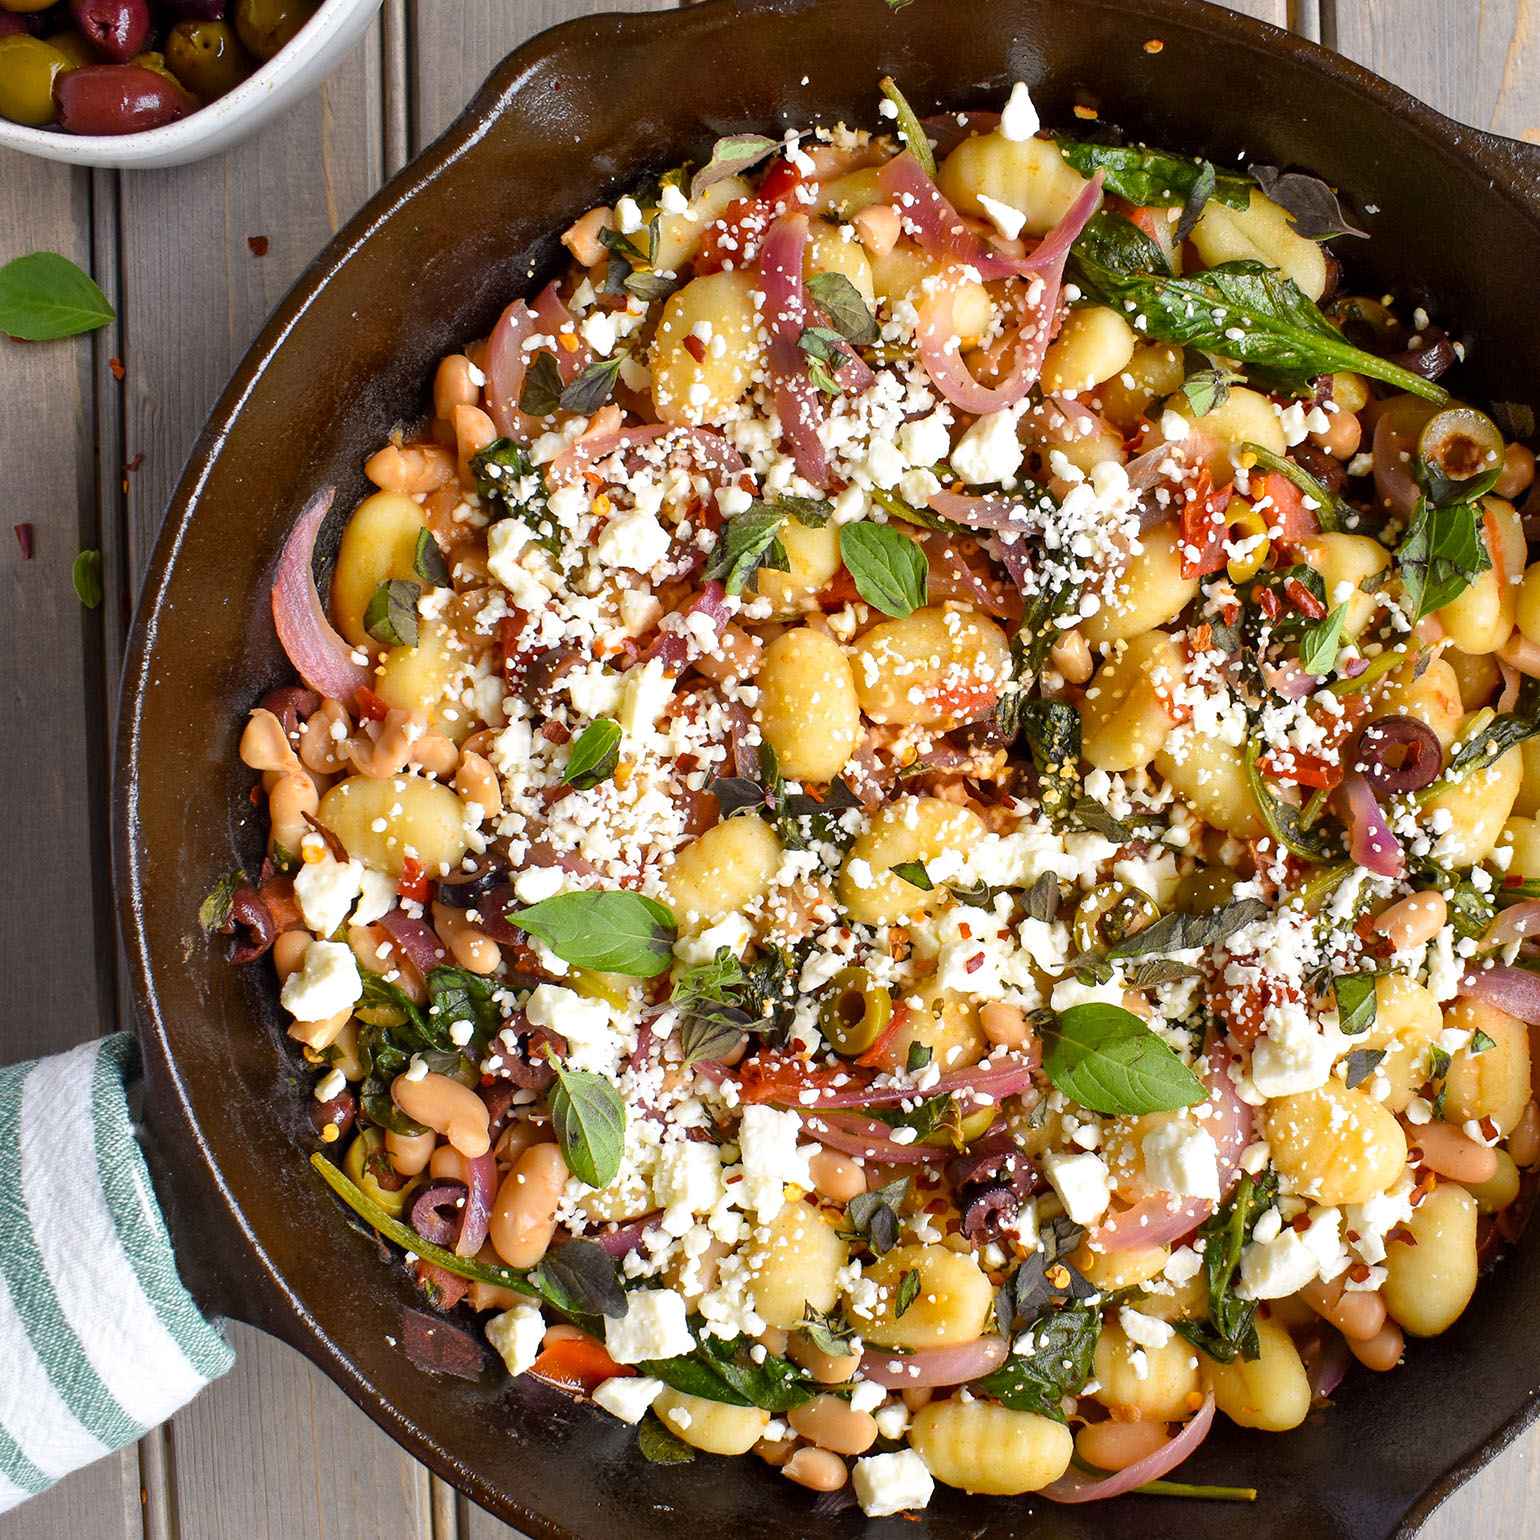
(1513, 165)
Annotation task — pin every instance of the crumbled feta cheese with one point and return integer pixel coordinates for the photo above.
(1081, 1183)
(767, 1142)
(1181, 1158)
(654, 1326)
(891, 1483)
(326, 983)
(1276, 1268)
(516, 1334)
(325, 891)
(628, 1397)
(1018, 120)
(989, 452)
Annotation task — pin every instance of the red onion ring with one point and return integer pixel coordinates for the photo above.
(720, 462)
(950, 577)
(507, 364)
(978, 512)
(674, 644)
(1371, 845)
(480, 1189)
(1289, 679)
(1514, 990)
(1328, 1364)
(1516, 923)
(1076, 1486)
(625, 1239)
(1394, 485)
(319, 655)
(935, 1366)
(416, 938)
(867, 1138)
(797, 401)
(1007, 1075)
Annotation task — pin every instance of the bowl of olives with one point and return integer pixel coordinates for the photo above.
(139, 83)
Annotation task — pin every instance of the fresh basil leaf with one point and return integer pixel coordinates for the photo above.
(848, 313)
(391, 615)
(1091, 815)
(1203, 189)
(1441, 554)
(578, 1277)
(711, 1009)
(1471, 912)
(1109, 1061)
(1362, 1063)
(1515, 418)
(610, 931)
(1230, 1326)
(1209, 389)
(914, 873)
(1437, 1088)
(658, 1445)
(734, 793)
(623, 247)
(824, 345)
(910, 129)
(541, 395)
(1158, 970)
(593, 387)
(732, 156)
(1052, 730)
(214, 911)
(1243, 310)
(887, 568)
(428, 561)
(748, 542)
(908, 1292)
(86, 575)
(1312, 207)
(594, 755)
(1180, 932)
(831, 1334)
(1041, 900)
(1058, 1364)
(920, 1054)
(874, 1217)
(1318, 646)
(1357, 1002)
(589, 1116)
(1152, 178)
(1480, 1043)
(44, 296)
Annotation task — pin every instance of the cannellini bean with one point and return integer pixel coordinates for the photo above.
(410, 1153)
(410, 469)
(474, 430)
(1005, 1025)
(476, 781)
(265, 745)
(317, 1035)
(1449, 1152)
(454, 385)
(1341, 436)
(737, 656)
(582, 237)
(878, 227)
(817, 1469)
(470, 946)
(322, 749)
(831, 1421)
(523, 1217)
(1358, 1314)
(436, 754)
(289, 952)
(448, 1108)
(1430, 1282)
(1518, 471)
(390, 750)
(1114, 1445)
(1382, 1352)
(1414, 920)
(837, 1176)
(826, 1368)
(287, 804)
(981, 1446)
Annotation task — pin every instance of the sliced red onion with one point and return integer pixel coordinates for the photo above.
(625, 1239)
(480, 1189)
(797, 400)
(947, 130)
(950, 577)
(1423, 754)
(994, 1079)
(1512, 681)
(320, 656)
(553, 319)
(1393, 481)
(416, 938)
(709, 452)
(979, 512)
(1514, 990)
(1326, 1366)
(937, 226)
(935, 1366)
(1143, 471)
(1371, 845)
(673, 646)
(1076, 1486)
(1289, 679)
(1054, 247)
(1516, 923)
(867, 1138)
(507, 364)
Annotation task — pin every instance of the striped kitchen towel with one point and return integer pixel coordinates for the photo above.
(99, 1341)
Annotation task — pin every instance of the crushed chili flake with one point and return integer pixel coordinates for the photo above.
(554, 732)
(1359, 1272)
(695, 348)
(136, 462)
(24, 540)
(258, 245)
(975, 962)
(116, 365)
(1300, 1223)
(1402, 1235)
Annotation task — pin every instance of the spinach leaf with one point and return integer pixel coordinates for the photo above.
(1230, 1327)
(1331, 513)
(456, 996)
(610, 931)
(1483, 747)
(1152, 178)
(1063, 1345)
(510, 485)
(1052, 729)
(1283, 821)
(1441, 554)
(725, 1371)
(1108, 1060)
(1243, 310)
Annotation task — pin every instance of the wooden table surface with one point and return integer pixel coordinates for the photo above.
(274, 1451)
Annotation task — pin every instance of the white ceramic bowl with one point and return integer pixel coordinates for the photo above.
(294, 70)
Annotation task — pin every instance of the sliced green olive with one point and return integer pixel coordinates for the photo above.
(1108, 913)
(368, 1167)
(1207, 889)
(1460, 444)
(855, 1012)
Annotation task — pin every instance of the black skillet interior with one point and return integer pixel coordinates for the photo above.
(565, 122)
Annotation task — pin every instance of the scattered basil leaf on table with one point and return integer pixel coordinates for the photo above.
(610, 931)
(391, 615)
(732, 156)
(1109, 1061)
(44, 296)
(589, 1115)
(888, 568)
(86, 575)
(595, 754)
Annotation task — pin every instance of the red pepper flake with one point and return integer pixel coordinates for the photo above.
(555, 732)
(135, 463)
(1489, 1129)
(1353, 1236)
(1402, 1235)
(369, 704)
(116, 365)
(258, 244)
(414, 881)
(1358, 1273)
(695, 348)
(965, 931)
(1267, 602)
(24, 540)
(1303, 600)
(975, 962)
(1300, 1223)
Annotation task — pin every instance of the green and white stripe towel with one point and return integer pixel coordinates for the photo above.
(99, 1341)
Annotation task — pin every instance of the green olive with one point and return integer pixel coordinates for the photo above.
(366, 1164)
(75, 49)
(855, 1012)
(967, 1130)
(207, 57)
(1108, 913)
(1460, 444)
(1207, 889)
(28, 67)
(265, 26)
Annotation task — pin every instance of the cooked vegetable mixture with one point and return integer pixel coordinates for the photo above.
(909, 836)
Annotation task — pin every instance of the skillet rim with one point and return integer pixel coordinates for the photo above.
(255, 1290)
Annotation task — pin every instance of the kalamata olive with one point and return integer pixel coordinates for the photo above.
(1460, 443)
(528, 1066)
(437, 1210)
(117, 28)
(985, 1210)
(118, 99)
(546, 670)
(339, 1114)
(28, 69)
(1399, 754)
(995, 1159)
(207, 57)
(1326, 469)
(11, 23)
(251, 923)
(265, 26)
(466, 889)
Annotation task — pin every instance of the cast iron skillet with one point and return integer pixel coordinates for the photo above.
(563, 123)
